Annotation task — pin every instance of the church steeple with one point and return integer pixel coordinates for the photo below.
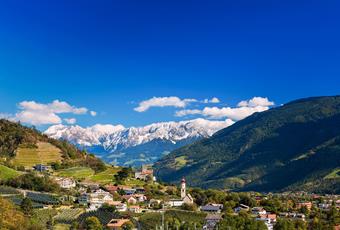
(183, 189)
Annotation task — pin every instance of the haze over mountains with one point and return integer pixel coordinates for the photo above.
(137, 145)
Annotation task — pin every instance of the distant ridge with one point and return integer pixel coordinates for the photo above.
(136, 145)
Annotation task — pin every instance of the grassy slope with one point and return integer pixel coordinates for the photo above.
(76, 172)
(44, 153)
(105, 177)
(7, 173)
(334, 174)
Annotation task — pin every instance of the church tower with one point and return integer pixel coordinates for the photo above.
(183, 189)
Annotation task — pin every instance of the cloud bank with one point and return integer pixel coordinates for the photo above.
(163, 102)
(244, 109)
(171, 102)
(35, 113)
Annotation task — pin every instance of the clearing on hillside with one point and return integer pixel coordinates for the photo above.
(8, 173)
(334, 174)
(44, 153)
(106, 176)
(76, 172)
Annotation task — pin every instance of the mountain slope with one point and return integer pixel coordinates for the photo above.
(136, 145)
(34, 147)
(286, 147)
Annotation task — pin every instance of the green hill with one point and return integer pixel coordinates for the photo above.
(294, 146)
(25, 146)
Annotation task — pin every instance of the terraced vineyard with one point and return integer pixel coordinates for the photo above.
(44, 215)
(42, 198)
(8, 190)
(44, 153)
(18, 199)
(67, 216)
(104, 216)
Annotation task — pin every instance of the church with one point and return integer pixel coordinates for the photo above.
(185, 198)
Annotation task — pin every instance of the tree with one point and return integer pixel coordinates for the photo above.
(189, 207)
(26, 206)
(74, 225)
(108, 208)
(283, 224)
(92, 223)
(10, 217)
(123, 174)
(128, 226)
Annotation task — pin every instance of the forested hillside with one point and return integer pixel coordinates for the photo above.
(294, 146)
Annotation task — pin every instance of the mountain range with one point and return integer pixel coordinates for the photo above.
(291, 147)
(136, 145)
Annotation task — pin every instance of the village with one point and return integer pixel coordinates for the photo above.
(149, 204)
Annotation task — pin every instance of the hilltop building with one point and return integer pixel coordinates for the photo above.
(185, 198)
(145, 173)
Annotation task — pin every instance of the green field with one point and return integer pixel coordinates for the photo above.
(76, 172)
(106, 176)
(180, 162)
(334, 174)
(44, 153)
(8, 173)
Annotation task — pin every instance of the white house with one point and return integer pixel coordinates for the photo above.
(240, 208)
(135, 209)
(145, 173)
(98, 198)
(130, 199)
(211, 221)
(120, 206)
(175, 203)
(267, 222)
(217, 208)
(140, 197)
(66, 183)
(258, 211)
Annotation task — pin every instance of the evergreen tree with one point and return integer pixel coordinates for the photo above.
(26, 206)
(92, 223)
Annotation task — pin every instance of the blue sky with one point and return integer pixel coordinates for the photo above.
(108, 56)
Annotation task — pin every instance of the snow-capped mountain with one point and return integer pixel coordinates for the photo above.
(136, 145)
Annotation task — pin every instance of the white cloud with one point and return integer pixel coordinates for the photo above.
(37, 117)
(213, 100)
(235, 114)
(70, 121)
(244, 109)
(185, 112)
(42, 114)
(54, 107)
(93, 113)
(256, 101)
(163, 102)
